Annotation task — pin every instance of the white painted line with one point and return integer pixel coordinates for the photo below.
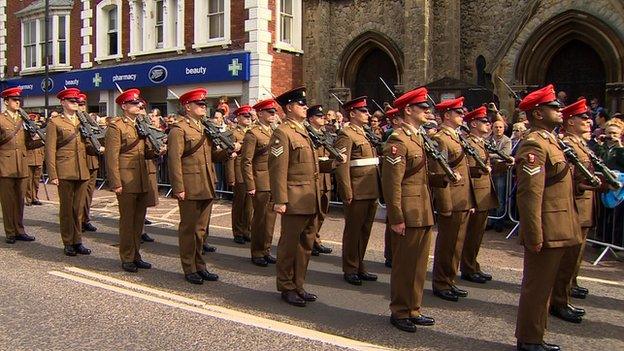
(220, 215)
(169, 213)
(223, 313)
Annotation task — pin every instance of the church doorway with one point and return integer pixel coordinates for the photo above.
(374, 65)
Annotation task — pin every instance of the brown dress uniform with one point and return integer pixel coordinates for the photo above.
(14, 142)
(405, 182)
(127, 167)
(242, 206)
(548, 216)
(93, 163)
(485, 197)
(293, 176)
(255, 171)
(357, 179)
(457, 199)
(190, 158)
(66, 160)
(35, 166)
(585, 204)
(326, 186)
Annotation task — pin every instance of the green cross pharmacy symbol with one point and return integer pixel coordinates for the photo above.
(235, 67)
(97, 80)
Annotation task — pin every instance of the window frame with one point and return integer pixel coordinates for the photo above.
(295, 46)
(38, 45)
(201, 35)
(102, 33)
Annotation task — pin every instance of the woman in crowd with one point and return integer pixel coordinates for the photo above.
(610, 145)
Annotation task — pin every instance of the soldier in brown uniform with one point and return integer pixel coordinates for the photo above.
(405, 179)
(191, 156)
(242, 207)
(127, 155)
(293, 176)
(152, 170)
(93, 163)
(66, 161)
(35, 167)
(484, 194)
(454, 203)
(548, 217)
(358, 186)
(316, 118)
(255, 169)
(576, 122)
(14, 142)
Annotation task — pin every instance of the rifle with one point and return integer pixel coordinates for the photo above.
(86, 130)
(431, 148)
(511, 92)
(321, 140)
(223, 140)
(610, 177)
(471, 151)
(573, 158)
(388, 87)
(97, 130)
(31, 126)
(491, 148)
(145, 130)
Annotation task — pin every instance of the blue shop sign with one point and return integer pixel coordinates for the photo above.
(204, 69)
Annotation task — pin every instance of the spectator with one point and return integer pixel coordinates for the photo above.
(562, 98)
(374, 123)
(594, 104)
(610, 145)
(499, 173)
(340, 122)
(602, 117)
(518, 131)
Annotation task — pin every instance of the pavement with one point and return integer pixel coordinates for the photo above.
(49, 301)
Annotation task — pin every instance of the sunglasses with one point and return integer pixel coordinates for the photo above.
(72, 100)
(484, 121)
(362, 109)
(269, 111)
(134, 102)
(459, 111)
(16, 99)
(422, 105)
(200, 103)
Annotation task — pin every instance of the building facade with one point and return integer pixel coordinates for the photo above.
(463, 46)
(240, 49)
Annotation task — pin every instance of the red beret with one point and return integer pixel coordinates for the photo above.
(416, 96)
(243, 110)
(391, 113)
(82, 97)
(198, 94)
(268, 104)
(128, 95)
(359, 102)
(575, 109)
(538, 97)
(12, 92)
(69, 93)
(450, 104)
(477, 113)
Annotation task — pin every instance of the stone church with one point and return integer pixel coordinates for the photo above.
(462, 47)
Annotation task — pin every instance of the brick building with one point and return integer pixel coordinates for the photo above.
(233, 48)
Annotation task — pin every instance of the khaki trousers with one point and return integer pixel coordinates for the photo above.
(585, 231)
(325, 196)
(194, 216)
(32, 185)
(448, 248)
(538, 279)
(208, 223)
(410, 254)
(90, 190)
(12, 191)
(359, 217)
(72, 197)
(472, 243)
(242, 210)
(262, 224)
(132, 210)
(568, 270)
(293, 250)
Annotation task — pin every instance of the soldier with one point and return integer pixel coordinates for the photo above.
(576, 122)
(190, 168)
(93, 163)
(66, 161)
(484, 195)
(242, 206)
(396, 120)
(14, 141)
(316, 118)
(127, 156)
(293, 177)
(405, 179)
(548, 217)
(152, 170)
(35, 167)
(453, 203)
(254, 166)
(358, 186)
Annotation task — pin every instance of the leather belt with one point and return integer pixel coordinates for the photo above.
(372, 161)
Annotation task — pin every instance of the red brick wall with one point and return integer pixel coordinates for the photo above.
(75, 41)
(287, 70)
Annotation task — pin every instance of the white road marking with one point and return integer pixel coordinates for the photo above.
(169, 213)
(199, 307)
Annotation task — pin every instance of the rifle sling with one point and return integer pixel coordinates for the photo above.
(10, 137)
(457, 161)
(557, 177)
(195, 147)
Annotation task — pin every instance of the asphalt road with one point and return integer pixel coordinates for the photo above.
(49, 301)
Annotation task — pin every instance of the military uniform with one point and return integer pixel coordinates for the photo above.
(242, 206)
(326, 187)
(35, 167)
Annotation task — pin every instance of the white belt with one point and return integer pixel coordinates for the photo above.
(373, 161)
(323, 158)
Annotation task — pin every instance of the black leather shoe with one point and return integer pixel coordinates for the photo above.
(239, 239)
(146, 238)
(129, 267)
(27, 204)
(486, 276)
(270, 259)
(581, 289)
(473, 277)
(10, 240)
(315, 252)
(69, 250)
(521, 346)
(403, 324)
(147, 221)
(205, 275)
(293, 298)
(194, 278)
(459, 292)
(577, 310)
(259, 261)
(308, 297)
(388, 263)
(142, 264)
(577, 294)
(565, 314)
(324, 249)
(369, 277)
(353, 279)
(446, 294)
(88, 227)
(550, 347)
(24, 237)
(208, 248)
(422, 320)
(36, 202)
(81, 249)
